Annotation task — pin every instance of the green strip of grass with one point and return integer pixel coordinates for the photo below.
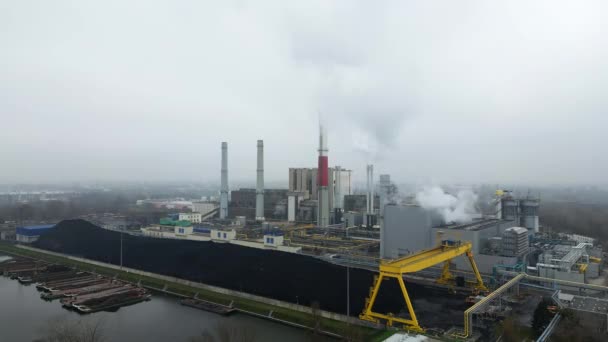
(336, 327)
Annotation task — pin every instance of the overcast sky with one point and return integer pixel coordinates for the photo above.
(429, 91)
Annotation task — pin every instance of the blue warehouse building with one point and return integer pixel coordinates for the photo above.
(28, 234)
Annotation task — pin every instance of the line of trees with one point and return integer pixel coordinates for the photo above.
(585, 219)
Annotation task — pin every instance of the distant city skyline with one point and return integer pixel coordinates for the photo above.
(443, 92)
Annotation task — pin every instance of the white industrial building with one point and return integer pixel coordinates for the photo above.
(192, 217)
(270, 241)
(203, 207)
(515, 242)
(578, 238)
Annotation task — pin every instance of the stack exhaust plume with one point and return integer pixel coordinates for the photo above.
(224, 184)
(259, 191)
(322, 180)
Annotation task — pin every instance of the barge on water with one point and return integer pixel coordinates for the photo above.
(113, 301)
(208, 306)
(84, 292)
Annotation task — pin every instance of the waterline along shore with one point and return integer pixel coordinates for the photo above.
(319, 321)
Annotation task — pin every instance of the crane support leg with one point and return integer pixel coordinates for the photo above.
(480, 284)
(446, 276)
(368, 314)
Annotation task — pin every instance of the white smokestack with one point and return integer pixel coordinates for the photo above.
(370, 189)
(259, 192)
(224, 183)
(338, 187)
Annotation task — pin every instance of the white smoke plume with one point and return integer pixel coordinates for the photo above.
(459, 209)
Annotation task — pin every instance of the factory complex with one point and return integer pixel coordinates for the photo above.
(501, 257)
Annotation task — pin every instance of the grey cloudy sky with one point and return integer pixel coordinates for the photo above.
(430, 91)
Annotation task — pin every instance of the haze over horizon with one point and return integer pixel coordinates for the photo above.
(440, 91)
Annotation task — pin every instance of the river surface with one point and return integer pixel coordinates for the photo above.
(24, 316)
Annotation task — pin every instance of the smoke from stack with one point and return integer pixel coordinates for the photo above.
(224, 183)
(259, 200)
(461, 208)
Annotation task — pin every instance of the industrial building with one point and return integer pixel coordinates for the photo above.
(303, 181)
(8, 231)
(294, 200)
(192, 217)
(483, 234)
(178, 203)
(514, 242)
(185, 231)
(204, 207)
(307, 211)
(358, 203)
(592, 313)
(405, 230)
(566, 262)
(244, 201)
(523, 211)
(29, 234)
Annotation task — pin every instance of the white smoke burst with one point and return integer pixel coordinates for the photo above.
(459, 209)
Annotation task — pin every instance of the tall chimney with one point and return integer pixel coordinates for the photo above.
(322, 180)
(338, 187)
(259, 191)
(224, 185)
(370, 189)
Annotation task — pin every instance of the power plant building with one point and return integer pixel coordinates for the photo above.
(303, 187)
(524, 211)
(358, 203)
(203, 207)
(515, 242)
(405, 230)
(572, 263)
(244, 202)
(408, 229)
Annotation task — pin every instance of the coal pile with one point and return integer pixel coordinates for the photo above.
(283, 276)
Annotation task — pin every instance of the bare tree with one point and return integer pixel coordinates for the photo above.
(223, 332)
(64, 330)
(315, 312)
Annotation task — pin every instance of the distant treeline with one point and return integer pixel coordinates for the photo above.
(99, 202)
(578, 218)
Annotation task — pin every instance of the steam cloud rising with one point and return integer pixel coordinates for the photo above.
(460, 208)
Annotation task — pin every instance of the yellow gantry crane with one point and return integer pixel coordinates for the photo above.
(444, 252)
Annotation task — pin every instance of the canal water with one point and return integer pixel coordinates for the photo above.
(24, 316)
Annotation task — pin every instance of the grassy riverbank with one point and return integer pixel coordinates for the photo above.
(341, 328)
